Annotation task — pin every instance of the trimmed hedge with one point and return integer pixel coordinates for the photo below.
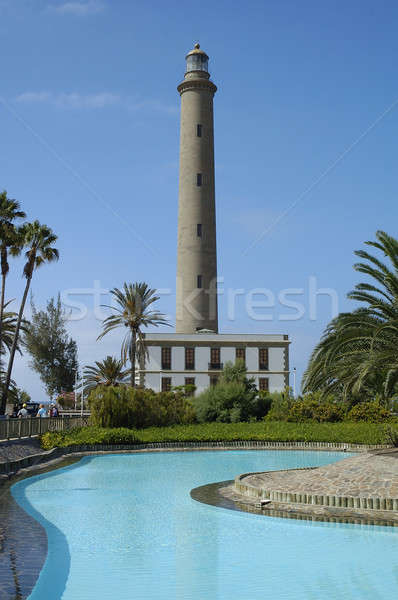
(354, 433)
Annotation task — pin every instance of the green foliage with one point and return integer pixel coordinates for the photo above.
(133, 311)
(280, 406)
(53, 352)
(234, 399)
(391, 435)
(354, 433)
(358, 350)
(109, 371)
(124, 406)
(312, 408)
(372, 412)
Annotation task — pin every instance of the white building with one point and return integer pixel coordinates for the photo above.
(198, 358)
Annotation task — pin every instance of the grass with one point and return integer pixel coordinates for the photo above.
(275, 431)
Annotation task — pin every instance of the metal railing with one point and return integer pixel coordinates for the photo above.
(32, 426)
(216, 366)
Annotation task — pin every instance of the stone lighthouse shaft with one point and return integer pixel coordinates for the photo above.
(196, 252)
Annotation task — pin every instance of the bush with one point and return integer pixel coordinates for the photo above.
(355, 433)
(122, 406)
(280, 406)
(234, 399)
(372, 412)
(310, 409)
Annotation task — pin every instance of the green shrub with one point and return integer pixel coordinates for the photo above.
(226, 402)
(310, 409)
(234, 399)
(355, 433)
(123, 406)
(280, 406)
(391, 435)
(372, 412)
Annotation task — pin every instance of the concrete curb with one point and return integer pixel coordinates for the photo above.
(251, 491)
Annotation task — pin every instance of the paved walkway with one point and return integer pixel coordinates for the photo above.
(15, 449)
(367, 476)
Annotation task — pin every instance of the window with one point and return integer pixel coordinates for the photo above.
(199, 281)
(199, 179)
(240, 354)
(263, 384)
(215, 359)
(199, 130)
(263, 359)
(166, 384)
(199, 229)
(166, 359)
(213, 381)
(190, 381)
(190, 359)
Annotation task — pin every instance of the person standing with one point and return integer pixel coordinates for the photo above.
(42, 412)
(22, 413)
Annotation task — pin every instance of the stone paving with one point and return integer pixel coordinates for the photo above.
(14, 449)
(367, 476)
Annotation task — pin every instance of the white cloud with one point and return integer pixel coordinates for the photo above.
(72, 100)
(75, 100)
(80, 9)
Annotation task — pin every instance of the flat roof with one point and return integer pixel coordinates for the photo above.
(218, 337)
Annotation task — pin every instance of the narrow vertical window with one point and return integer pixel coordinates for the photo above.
(199, 229)
(166, 384)
(190, 359)
(215, 357)
(263, 359)
(199, 281)
(190, 381)
(166, 358)
(199, 179)
(199, 130)
(263, 384)
(240, 354)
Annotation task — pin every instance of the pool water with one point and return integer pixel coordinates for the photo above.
(124, 527)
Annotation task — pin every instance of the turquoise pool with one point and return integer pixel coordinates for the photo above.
(125, 527)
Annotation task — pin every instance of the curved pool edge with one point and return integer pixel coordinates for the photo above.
(40, 461)
(223, 494)
(23, 536)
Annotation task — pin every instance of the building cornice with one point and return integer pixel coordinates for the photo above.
(196, 84)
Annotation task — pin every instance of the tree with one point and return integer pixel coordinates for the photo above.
(10, 241)
(109, 372)
(9, 325)
(39, 240)
(53, 352)
(233, 399)
(358, 352)
(133, 312)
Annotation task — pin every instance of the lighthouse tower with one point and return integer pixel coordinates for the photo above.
(196, 308)
(195, 355)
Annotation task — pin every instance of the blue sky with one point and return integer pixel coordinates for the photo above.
(305, 126)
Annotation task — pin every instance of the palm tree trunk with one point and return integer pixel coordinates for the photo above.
(14, 348)
(4, 270)
(133, 350)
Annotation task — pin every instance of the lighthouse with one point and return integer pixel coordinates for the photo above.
(196, 289)
(195, 355)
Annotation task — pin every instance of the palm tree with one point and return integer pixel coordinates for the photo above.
(39, 240)
(9, 325)
(10, 241)
(107, 372)
(133, 311)
(358, 353)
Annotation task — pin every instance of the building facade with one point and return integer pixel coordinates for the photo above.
(196, 353)
(198, 359)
